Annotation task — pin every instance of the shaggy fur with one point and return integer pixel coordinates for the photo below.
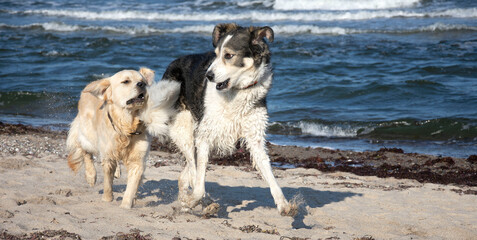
(114, 116)
(223, 101)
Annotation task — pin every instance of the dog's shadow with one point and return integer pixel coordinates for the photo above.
(241, 198)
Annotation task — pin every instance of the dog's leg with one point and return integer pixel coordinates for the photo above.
(135, 165)
(117, 173)
(187, 177)
(109, 167)
(202, 160)
(135, 173)
(261, 162)
(182, 134)
(90, 170)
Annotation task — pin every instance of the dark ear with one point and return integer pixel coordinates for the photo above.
(220, 30)
(259, 33)
(148, 74)
(100, 88)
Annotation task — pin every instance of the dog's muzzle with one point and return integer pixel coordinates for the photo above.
(210, 76)
(220, 86)
(139, 99)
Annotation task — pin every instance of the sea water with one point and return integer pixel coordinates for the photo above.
(348, 74)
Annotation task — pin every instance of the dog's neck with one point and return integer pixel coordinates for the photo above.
(258, 89)
(127, 123)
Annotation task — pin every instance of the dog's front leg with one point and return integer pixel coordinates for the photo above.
(109, 167)
(135, 165)
(261, 162)
(135, 173)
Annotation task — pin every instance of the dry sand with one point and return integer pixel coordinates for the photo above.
(38, 192)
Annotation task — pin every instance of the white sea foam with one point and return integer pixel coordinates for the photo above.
(440, 27)
(315, 30)
(135, 30)
(59, 27)
(207, 29)
(321, 130)
(343, 4)
(268, 16)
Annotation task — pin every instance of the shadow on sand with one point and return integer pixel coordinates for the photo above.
(250, 197)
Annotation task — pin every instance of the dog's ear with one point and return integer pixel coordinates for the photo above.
(148, 74)
(258, 33)
(100, 88)
(220, 30)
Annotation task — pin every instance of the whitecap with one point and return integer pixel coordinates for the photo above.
(343, 4)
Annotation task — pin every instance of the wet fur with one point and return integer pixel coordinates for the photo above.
(222, 101)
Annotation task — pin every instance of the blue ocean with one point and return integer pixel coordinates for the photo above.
(349, 74)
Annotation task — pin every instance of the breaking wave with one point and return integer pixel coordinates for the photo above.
(279, 29)
(406, 129)
(343, 4)
(262, 16)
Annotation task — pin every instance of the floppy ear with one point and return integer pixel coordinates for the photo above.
(99, 88)
(259, 33)
(148, 74)
(220, 30)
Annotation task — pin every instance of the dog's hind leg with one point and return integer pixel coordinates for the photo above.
(90, 170)
(202, 160)
(75, 152)
(109, 167)
(77, 155)
(182, 134)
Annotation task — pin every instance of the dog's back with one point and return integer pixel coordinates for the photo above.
(190, 72)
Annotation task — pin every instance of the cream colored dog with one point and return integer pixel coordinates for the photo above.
(114, 117)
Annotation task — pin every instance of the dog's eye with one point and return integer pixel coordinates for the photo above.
(125, 81)
(228, 56)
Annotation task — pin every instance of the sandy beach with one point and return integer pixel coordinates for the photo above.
(346, 195)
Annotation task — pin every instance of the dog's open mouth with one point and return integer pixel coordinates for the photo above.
(223, 85)
(138, 99)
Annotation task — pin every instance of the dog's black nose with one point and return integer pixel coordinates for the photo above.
(141, 84)
(210, 76)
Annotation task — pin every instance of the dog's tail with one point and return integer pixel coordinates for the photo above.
(160, 107)
(75, 152)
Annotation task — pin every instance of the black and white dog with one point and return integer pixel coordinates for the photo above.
(221, 102)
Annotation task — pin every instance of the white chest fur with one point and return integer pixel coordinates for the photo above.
(233, 115)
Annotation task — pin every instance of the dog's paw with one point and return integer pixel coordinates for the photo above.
(107, 197)
(210, 210)
(290, 210)
(126, 205)
(206, 201)
(293, 207)
(91, 179)
(185, 209)
(188, 200)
